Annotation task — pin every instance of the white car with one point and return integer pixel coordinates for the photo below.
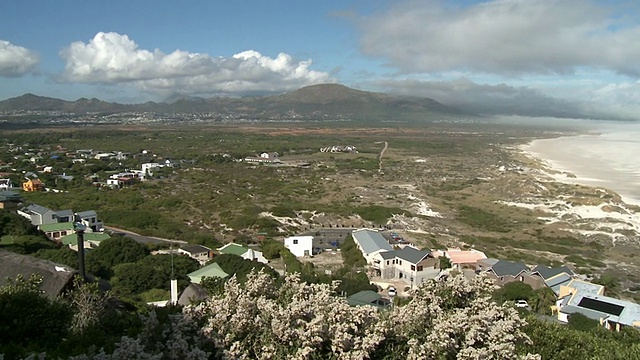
(391, 291)
(522, 304)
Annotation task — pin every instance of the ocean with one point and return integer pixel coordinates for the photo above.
(607, 157)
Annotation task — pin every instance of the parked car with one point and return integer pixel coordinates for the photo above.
(391, 291)
(522, 304)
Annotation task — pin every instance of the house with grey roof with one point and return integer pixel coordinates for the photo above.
(505, 271)
(547, 272)
(38, 214)
(554, 278)
(65, 215)
(56, 278)
(10, 200)
(370, 242)
(197, 252)
(411, 265)
(90, 219)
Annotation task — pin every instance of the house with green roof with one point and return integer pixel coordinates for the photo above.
(368, 297)
(55, 231)
(211, 270)
(91, 240)
(244, 252)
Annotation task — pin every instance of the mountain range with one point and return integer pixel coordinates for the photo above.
(315, 102)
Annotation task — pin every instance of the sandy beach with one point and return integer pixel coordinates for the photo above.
(610, 159)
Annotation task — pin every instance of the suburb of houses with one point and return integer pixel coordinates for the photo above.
(393, 264)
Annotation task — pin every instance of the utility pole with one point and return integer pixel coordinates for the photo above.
(79, 228)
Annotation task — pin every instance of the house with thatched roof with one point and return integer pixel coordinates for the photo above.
(56, 278)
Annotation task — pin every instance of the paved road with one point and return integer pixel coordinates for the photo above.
(141, 238)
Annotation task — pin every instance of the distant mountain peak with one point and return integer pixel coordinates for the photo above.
(315, 102)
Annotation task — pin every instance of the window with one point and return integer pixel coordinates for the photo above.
(387, 262)
(413, 268)
(400, 262)
(295, 241)
(419, 267)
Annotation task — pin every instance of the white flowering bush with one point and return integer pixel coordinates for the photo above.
(455, 319)
(176, 338)
(294, 321)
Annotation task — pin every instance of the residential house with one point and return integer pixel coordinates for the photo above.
(414, 266)
(5, 185)
(554, 278)
(370, 243)
(505, 271)
(269, 155)
(32, 185)
(38, 215)
(464, 259)
(211, 270)
(197, 252)
(149, 168)
(369, 298)
(56, 278)
(90, 219)
(103, 156)
(91, 240)
(588, 299)
(121, 182)
(244, 252)
(10, 200)
(192, 294)
(55, 231)
(411, 265)
(65, 215)
(299, 245)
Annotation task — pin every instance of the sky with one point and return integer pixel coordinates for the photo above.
(573, 58)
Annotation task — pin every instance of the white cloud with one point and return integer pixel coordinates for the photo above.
(114, 58)
(16, 60)
(503, 99)
(506, 37)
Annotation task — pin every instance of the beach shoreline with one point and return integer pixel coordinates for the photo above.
(592, 160)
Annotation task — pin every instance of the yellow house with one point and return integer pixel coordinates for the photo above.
(33, 185)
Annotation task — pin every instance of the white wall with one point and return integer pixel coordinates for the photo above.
(299, 245)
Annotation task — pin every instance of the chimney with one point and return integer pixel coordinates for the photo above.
(174, 292)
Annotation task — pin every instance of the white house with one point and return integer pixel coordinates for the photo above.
(408, 264)
(5, 185)
(299, 245)
(148, 168)
(197, 252)
(90, 220)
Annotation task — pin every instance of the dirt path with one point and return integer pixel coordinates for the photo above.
(386, 145)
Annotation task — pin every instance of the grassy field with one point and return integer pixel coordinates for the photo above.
(439, 185)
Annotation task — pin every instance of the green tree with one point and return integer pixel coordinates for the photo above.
(445, 262)
(30, 321)
(114, 251)
(271, 249)
(512, 291)
(611, 284)
(63, 255)
(580, 322)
